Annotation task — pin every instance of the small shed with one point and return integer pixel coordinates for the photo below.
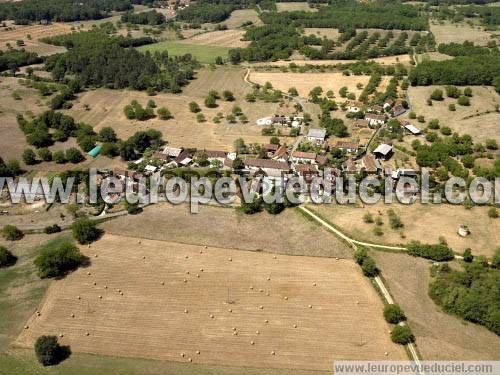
(95, 151)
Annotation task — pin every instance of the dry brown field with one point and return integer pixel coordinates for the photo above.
(439, 336)
(305, 82)
(287, 233)
(479, 127)
(459, 33)
(425, 223)
(294, 6)
(106, 109)
(223, 38)
(238, 17)
(227, 296)
(332, 34)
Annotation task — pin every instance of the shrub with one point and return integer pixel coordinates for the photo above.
(228, 96)
(200, 117)
(85, 231)
(439, 252)
(45, 154)
(210, 102)
(7, 259)
(434, 124)
(468, 257)
(360, 255)
(377, 231)
(194, 107)
(394, 220)
(491, 144)
(493, 213)
(451, 107)
(394, 314)
(164, 113)
(452, 92)
(468, 91)
(368, 218)
(49, 352)
(437, 94)
(495, 261)
(52, 229)
(56, 261)
(402, 335)
(446, 130)
(412, 115)
(74, 155)
(59, 157)
(12, 233)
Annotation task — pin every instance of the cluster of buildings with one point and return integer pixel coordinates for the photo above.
(375, 115)
(280, 120)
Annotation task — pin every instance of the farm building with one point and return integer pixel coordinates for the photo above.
(95, 151)
(316, 135)
(374, 119)
(304, 157)
(383, 151)
(412, 129)
(347, 146)
(371, 164)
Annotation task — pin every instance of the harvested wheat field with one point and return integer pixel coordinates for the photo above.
(305, 82)
(440, 336)
(240, 16)
(221, 38)
(459, 33)
(215, 306)
(386, 60)
(294, 6)
(224, 227)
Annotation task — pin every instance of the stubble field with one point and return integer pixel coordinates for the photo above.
(225, 291)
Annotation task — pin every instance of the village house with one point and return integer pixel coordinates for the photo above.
(383, 151)
(374, 119)
(303, 157)
(376, 109)
(388, 104)
(270, 149)
(398, 110)
(271, 168)
(172, 152)
(347, 146)
(215, 155)
(354, 106)
(370, 164)
(349, 167)
(316, 135)
(281, 154)
(280, 120)
(362, 123)
(322, 160)
(307, 171)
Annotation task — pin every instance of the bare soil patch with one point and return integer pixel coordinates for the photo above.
(238, 17)
(148, 315)
(459, 33)
(223, 38)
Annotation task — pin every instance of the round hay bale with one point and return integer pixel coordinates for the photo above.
(61, 335)
(38, 313)
(143, 257)
(187, 257)
(96, 256)
(230, 310)
(310, 306)
(163, 283)
(88, 273)
(252, 343)
(268, 279)
(261, 290)
(79, 297)
(230, 259)
(234, 328)
(121, 293)
(273, 353)
(197, 275)
(185, 280)
(187, 272)
(205, 246)
(197, 352)
(357, 302)
(201, 251)
(286, 298)
(87, 333)
(100, 297)
(201, 269)
(336, 258)
(295, 326)
(190, 359)
(274, 256)
(72, 315)
(26, 327)
(257, 332)
(266, 321)
(386, 354)
(212, 316)
(235, 333)
(95, 283)
(251, 287)
(185, 311)
(183, 355)
(105, 287)
(139, 242)
(261, 307)
(314, 284)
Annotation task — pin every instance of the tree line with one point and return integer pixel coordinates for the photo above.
(13, 59)
(144, 18)
(26, 11)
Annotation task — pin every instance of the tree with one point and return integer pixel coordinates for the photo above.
(452, 91)
(74, 155)
(29, 156)
(210, 102)
(59, 157)
(58, 260)
(437, 94)
(7, 259)
(194, 107)
(228, 96)
(164, 113)
(12, 233)
(394, 314)
(219, 60)
(107, 134)
(85, 231)
(49, 352)
(369, 267)
(468, 257)
(368, 218)
(343, 91)
(491, 144)
(234, 56)
(468, 92)
(129, 112)
(360, 255)
(52, 229)
(274, 140)
(151, 104)
(463, 100)
(200, 117)
(231, 118)
(451, 107)
(402, 335)
(237, 111)
(45, 154)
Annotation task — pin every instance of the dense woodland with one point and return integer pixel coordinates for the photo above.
(144, 18)
(26, 11)
(472, 294)
(97, 59)
(13, 59)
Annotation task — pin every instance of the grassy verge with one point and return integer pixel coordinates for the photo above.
(204, 54)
